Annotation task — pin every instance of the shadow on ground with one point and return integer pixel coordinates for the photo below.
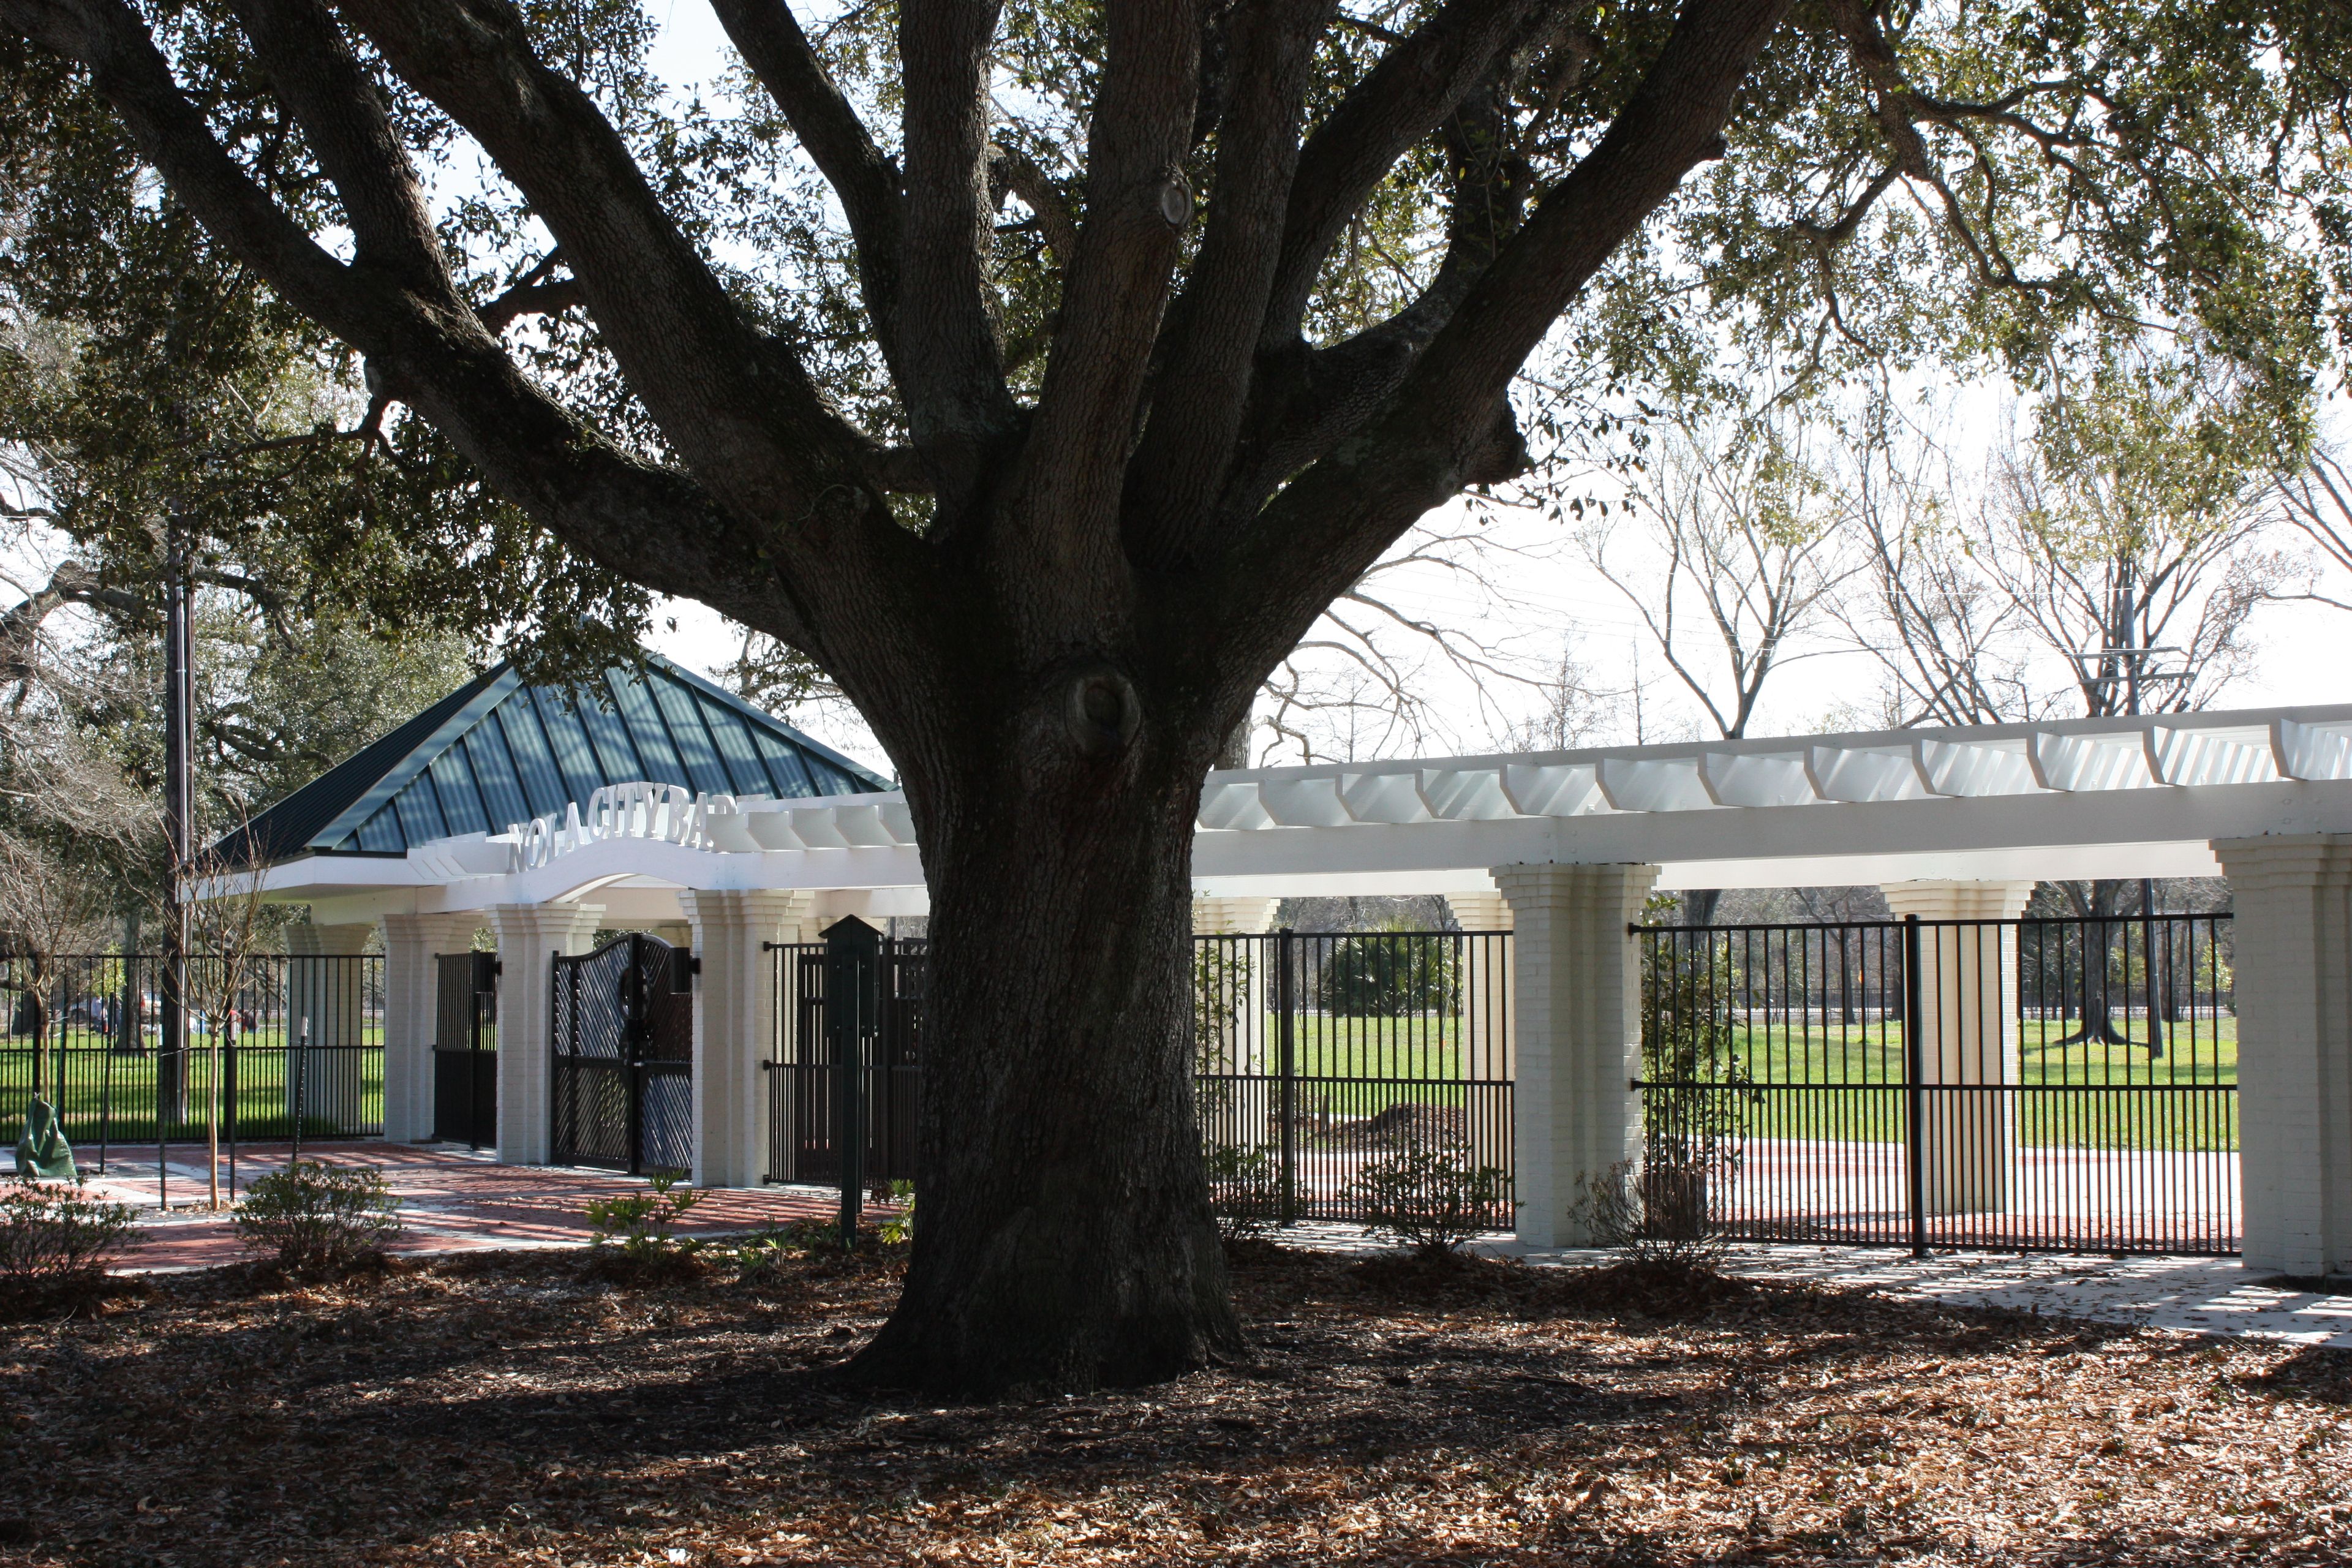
(503, 1408)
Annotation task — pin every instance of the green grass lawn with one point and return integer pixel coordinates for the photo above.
(112, 1097)
(1846, 1084)
(1827, 1082)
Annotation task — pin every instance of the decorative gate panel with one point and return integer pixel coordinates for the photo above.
(464, 1049)
(624, 1080)
(803, 1079)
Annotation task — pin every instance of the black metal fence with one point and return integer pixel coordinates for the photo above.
(1337, 1072)
(2032, 1084)
(303, 1037)
(1332, 1069)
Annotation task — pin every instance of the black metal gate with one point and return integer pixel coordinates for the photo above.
(2066, 1084)
(623, 1086)
(464, 1048)
(805, 1077)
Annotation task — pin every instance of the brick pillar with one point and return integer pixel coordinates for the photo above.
(2293, 994)
(1578, 980)
(530, 938)
(736, 1028)
(1968, 1003)
(412, 944)
(323, 982)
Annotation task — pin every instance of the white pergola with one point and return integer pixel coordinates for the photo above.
(1561, 846)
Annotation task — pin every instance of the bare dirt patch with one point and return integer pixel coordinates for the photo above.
(502, 1409)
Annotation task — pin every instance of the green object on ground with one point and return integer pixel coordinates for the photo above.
(43, 1152)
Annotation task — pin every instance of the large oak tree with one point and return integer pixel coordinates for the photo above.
(1048, 495)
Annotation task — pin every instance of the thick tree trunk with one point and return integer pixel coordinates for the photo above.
(1064, 1238)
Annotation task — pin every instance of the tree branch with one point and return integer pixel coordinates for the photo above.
(780, 55)
(1444, 423)
(1065, 490)
(1018, 172)
(649, 523)
(958, 405)
(1406, 95)
(737, 405)
(531, 300)
(1211, 338)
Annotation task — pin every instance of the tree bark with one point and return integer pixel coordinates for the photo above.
(1065, 1239)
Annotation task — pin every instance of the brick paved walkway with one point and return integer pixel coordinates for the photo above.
(452, 1200)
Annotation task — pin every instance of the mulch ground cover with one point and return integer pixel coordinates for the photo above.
(506, 1409)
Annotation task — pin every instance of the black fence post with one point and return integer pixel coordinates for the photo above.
(302, 1057)
(1914, 1063)
(852, 966)
(1285, 1004)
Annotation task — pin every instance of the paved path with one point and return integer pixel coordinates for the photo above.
(2194, 1295)
(452, 1200)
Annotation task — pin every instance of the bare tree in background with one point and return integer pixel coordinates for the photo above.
(2319, 500)
(1358, 684)
(1944, 636)
(1739, 548)
(49, 905)
(228, 924)
(2110, 565)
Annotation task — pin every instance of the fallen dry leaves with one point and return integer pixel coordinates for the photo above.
(498, 1409)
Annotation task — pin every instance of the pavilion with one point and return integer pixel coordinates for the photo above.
(743, 833)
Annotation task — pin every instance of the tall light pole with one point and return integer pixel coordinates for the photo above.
(179, 833)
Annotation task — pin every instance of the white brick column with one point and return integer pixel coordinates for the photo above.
(323, 984)
(735, 1027)
(2293, 995)
(530, 938)
(1233, 917)
(412, 944)
(1968, 1035)
(1578, 984)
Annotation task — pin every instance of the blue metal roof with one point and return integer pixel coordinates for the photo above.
(496, 751)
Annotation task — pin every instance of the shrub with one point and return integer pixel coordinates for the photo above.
(899, 1228)
(1434, 1199)
(316, 1216)
(52, 1234)
(636, 1233)
(1246, 1187)
(760, 1255)
(1655, 1215)
(1388, 974)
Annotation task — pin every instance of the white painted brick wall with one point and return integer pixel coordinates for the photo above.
(735, 1027)
(531, 936)
(2293, 895)
(1577, 976)
(411, 995)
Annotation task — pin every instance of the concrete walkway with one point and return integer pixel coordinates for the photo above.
(451, 1200)
(2192, 1295)
(456, 1200)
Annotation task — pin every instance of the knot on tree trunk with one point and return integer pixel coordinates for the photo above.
(1169, 199)
(1102, 709)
